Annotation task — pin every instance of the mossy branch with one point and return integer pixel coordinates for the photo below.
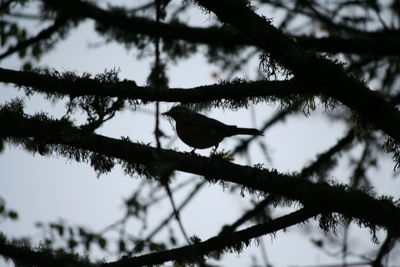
(368, 210)
(69, 84)
(235, 94)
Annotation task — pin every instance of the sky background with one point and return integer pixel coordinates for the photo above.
(52, 188)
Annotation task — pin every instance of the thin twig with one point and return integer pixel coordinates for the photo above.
(157, 131)
(186, 201)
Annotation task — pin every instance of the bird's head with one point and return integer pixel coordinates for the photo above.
(178, 112)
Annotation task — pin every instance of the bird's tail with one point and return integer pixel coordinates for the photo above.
(248, 131)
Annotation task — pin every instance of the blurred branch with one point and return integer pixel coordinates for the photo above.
(43, 35)
(326, 159)
(176, 214)
(234, 241)
(154, 200)
(278, 117)
(329, 21)
(143, 7)
(309, 9)
(24, 255)
(225, 37)
(247, 215)
(164, 222)
(385, 249)
(141, 25)
(358, 178)
(150, 202)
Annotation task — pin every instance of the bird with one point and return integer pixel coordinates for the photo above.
(200, 132)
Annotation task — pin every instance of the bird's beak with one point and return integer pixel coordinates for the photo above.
(165, 113)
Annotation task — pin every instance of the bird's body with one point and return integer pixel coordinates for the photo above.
(199, 131)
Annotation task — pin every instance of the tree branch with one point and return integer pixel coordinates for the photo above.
(24, 254)
(326, 158)
(223, 36)
(249, 214)
(314, 72)
(74, 87)
(139, 25)
(164, 222)
(355, 203)
(358, 100)
(231, 241)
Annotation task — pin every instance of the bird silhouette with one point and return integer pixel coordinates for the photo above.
(199, 131)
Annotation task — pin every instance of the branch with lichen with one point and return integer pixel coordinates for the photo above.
(44, 135)
(235, 94)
